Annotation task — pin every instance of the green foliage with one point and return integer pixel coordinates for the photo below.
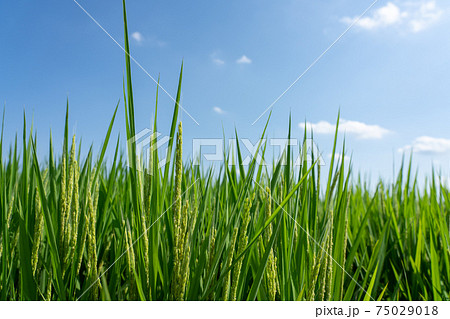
(77, 228)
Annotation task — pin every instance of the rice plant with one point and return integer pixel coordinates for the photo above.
(78, 229)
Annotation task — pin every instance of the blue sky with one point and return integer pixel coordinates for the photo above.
(389, 75)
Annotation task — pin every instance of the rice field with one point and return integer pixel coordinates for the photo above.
(74, 228)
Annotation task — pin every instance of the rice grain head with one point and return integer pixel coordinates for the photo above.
(179, 219)
(271, 270)
(75, 212)
(330, 259)
(62, 206)
(242, 243)
(228, 264)
(38, 229)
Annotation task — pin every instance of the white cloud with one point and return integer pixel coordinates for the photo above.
(427, 14)
(244, 60)
(137, 36)
(218, 110)
(413, 16)
(428, 145)
(359, 129)
(384, 16)
(218, 61)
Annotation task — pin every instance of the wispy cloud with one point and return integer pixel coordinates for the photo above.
(244, 60)
(412, 16)
(359, 129)
(138, 37)
(148, 40)
(428, 145)
(218, 110)
(216, 58)
(218, 61)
